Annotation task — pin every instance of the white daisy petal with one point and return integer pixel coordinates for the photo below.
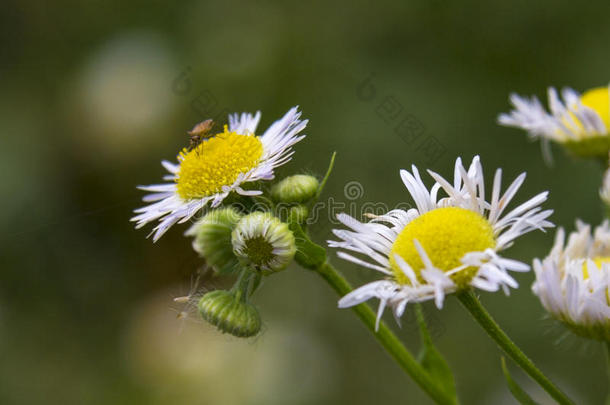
(171, 204)
(404, 244)
(375, 289)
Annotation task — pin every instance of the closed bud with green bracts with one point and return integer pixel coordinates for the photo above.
(263, 242)
(213, 238)
(229, 313)
(299, 188)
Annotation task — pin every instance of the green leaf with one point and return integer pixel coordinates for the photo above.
(309, 254)
(518, 392)
(432, 360)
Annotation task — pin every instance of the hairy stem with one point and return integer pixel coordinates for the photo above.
(480, 314)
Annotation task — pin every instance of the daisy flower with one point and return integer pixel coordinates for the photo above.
(573, 281)
(444, 244)
(581, 123)
(263, 242)
(218, 166)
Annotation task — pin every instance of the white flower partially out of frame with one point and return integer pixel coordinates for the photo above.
(579, 122)
(573, 281)
(443, 245)
(218, 166)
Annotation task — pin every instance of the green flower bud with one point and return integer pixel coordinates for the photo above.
(213, 238)
(229, 313)
(299, 188)
(263, 242)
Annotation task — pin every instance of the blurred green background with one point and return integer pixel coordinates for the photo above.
(95, 94)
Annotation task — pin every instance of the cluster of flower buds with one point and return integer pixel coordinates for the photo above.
(252, 245)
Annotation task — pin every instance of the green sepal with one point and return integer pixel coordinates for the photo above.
(432, 360)
(520, 395)
(329, 170)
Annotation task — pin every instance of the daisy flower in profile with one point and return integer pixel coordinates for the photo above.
(217, 166)
(445, 244)
(573, 281)
(581, 123)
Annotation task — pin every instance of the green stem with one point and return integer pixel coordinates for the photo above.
(386, 337)
(256, 282)
(313, 257)
(480, 314)
(240, 288)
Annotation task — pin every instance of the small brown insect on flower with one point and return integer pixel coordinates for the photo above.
(199, 133)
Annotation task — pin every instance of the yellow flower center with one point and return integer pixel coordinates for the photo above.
(216, 162)
(598, 262)
(446, 234)
(594, 145)
(598, 99)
